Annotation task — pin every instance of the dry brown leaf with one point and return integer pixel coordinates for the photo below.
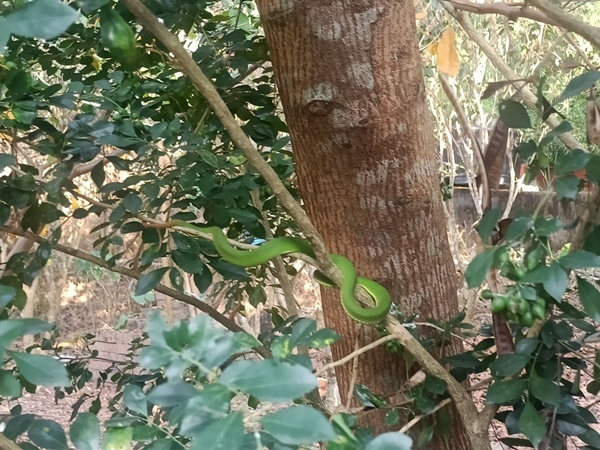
(432, 48)
(447, 56)
(421, 15)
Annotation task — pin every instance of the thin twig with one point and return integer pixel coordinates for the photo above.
(417, 419)
(350, 394)
(355, 354)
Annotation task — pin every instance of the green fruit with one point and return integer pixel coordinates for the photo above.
(534, 256)
(499, 304)
(118, 37)
(501, 257)
(527, 319)
(513, 304)
(523, 306)
(538, 311)
(540, 301)
(543, 160)
(519, 272)
(487, 294)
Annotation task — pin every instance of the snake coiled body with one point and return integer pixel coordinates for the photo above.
(284, 245)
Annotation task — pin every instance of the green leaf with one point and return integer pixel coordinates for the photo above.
(209, 157)
(571, 161)
(132, 203)
(367, 398)
(562, 128)
(4, 213)
(320, 339)
(556, 281)
(189, 262)
(507, 365)
(34, 326)
(526, 149)
(269, 380)
(203, 280)
(89, 6)
(567, 187)
(48, 434)
(7, 294)
(532, 425)
(479, 268)
(518, 228)
(210, 403)
(10, 329)
(488, 223)
(222, 434)
(580, 260)
(18, 425)
(117, 141)
(590, 299)
(185, 244)
(229, 271)
(299, 425)
(6, 160)
(149, 281)
(135, 399)
(435, 385)
(514, 114)
(85, 432)
(98, 175)
(301, 330)
(390, 441)
(592, 241)
(526, 346)
(161, 444)
(41, 370)
(9, 385)
(546, 227)
(117, 439)
(44, 19)
(505, 391)
(545, 390)
(578, 84)
(425, 436)
(4, 37)
(171, 394)
(591, 437)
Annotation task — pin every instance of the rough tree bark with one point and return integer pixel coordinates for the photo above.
(350, 78)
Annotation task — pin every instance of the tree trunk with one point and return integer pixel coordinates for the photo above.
(350, 79)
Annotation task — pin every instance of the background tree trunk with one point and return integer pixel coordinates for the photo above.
(350, 79)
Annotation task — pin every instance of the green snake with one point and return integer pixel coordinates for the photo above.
(284, 245)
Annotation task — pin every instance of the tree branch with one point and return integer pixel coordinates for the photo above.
(547, 13)
(190, 300)
(568, 21)
(513, 11)
(528, 97)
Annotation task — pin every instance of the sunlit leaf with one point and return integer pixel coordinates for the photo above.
(299, 425)
(532, 425)
(44, 19)
(85, 432)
